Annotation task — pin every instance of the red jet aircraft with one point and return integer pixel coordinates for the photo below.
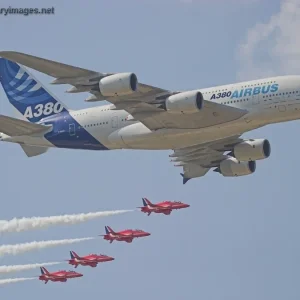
(91, 260)
(126, 235)
(60, 276)
(165, 207)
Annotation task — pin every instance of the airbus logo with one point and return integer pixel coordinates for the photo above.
(264, 89)
(255, 91)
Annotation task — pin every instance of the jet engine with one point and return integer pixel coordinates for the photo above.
(184, 103)
(252, 150)
(120, 84)
(232, 167)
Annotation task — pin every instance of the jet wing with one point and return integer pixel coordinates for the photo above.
(198, 159)
(163, 207)
(137, 105)
(125, 234)
(88, 260)
(155, 118)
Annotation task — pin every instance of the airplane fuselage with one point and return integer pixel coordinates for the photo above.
(266, 101)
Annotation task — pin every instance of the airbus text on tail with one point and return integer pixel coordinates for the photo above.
(90, 260)
(59, 276)
(164, 207)
(26, 94)
(46, 121)
(125, 235)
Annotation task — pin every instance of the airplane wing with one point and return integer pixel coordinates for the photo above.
(88, 260)
(56, 275)
(198, 159)
(164, 207)
(125, 234)
(140, 105)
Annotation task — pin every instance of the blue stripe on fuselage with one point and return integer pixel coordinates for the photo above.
(68, 133)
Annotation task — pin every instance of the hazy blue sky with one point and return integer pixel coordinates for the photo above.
(240, 237)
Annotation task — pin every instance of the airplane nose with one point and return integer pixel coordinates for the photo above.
(147, 233)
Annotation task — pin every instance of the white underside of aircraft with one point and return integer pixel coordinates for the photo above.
(203, 127)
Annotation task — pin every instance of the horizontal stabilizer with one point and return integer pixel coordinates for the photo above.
(34, 150)
(16, 127)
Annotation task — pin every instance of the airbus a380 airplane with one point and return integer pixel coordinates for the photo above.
(203, 127)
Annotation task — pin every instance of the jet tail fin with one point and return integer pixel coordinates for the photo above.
(144, 202)
(44, 271)
(108, 230)
(147, 202)
(26, 93)
(73, 254)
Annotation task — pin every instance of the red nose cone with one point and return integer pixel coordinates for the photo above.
(147, 233)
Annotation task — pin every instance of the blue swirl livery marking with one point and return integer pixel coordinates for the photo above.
(37, 105)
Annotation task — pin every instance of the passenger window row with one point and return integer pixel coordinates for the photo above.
(85, 113)
(235, 101)
(280, 94)
(97, 124)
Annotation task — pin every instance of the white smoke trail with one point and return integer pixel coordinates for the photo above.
(34, 223)
(26, 247)
(13, 280)
(19, 268)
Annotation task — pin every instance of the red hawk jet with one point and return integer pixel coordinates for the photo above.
(165, 207)
(91, 260)
(60, 276)
(126, 235)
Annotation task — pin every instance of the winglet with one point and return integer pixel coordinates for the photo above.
(185, 180)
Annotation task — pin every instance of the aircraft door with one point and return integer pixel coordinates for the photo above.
(255, 99)
(72, 130)
(114, 122)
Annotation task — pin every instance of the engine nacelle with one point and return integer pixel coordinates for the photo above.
(185, 103)
(120, 84)
(232, 167)
(252, 150)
